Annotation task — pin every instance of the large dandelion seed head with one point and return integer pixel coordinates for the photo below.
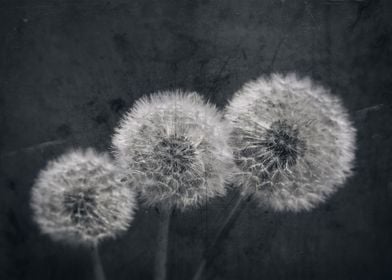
(81, 198)
(293, 142)
(174, 148)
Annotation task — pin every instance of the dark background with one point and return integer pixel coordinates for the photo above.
(69, 69)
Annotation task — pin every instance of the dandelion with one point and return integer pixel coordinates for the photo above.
(293, 142)
(80, 198)
(173, 146)
(293, 146)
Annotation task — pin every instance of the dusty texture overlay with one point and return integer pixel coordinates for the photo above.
(69, 69)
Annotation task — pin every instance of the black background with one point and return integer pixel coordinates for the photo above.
(69, 69)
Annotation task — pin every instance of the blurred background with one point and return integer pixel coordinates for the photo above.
(70, 69)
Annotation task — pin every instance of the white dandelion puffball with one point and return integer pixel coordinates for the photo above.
(81, 198)
(174, 147)
(293, 142)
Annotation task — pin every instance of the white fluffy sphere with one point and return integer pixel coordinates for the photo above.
(80, 198)
(173, 146)
(293, 142)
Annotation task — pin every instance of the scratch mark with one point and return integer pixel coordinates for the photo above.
(42, 145)
(370, 108)
(230, 57)
(277, 49)
(308, 9)
(362, 113)
(237, 49)
(363, 5)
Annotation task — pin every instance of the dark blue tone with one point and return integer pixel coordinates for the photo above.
(69, 69)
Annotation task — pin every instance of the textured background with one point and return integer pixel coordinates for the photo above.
(69, 69)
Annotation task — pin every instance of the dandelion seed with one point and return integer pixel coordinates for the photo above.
(174, 147)
(293, 142)
(80, 198)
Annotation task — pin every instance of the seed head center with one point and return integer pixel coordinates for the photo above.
(282, 140)
(177, 154)
(79, 205)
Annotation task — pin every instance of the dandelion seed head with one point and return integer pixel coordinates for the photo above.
(292, 140)
(81, 198)
(173, 145)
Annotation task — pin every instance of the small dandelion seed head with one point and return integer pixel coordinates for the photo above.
(292, 141)
(81, 198)
(173, 146)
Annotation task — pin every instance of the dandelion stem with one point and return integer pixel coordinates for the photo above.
(213, 250)
(162, 244)
(98, 270)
